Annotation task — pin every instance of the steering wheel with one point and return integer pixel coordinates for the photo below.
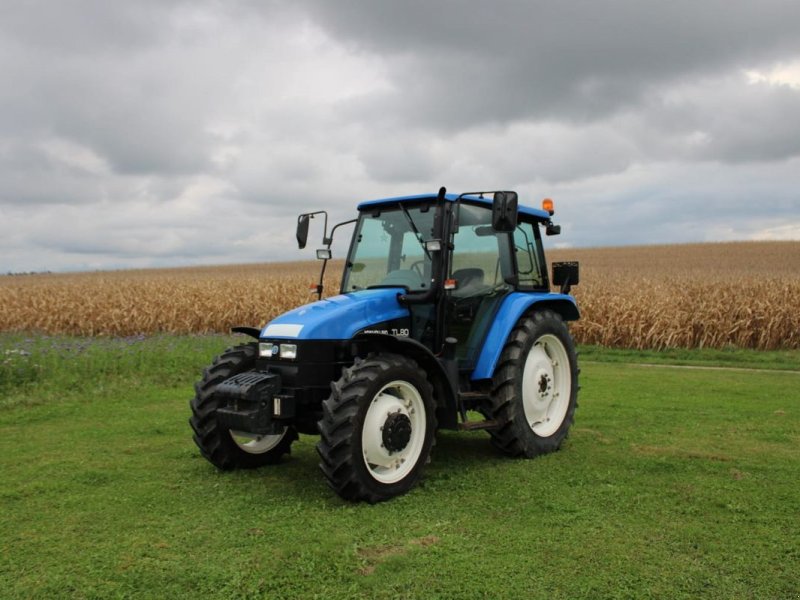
(417, 266)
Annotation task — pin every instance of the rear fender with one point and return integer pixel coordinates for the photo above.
(514, 306)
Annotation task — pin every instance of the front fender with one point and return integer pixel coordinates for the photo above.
(378, 342)
(514, 306)
(253, 332)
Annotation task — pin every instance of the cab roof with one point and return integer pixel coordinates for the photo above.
(523, 210)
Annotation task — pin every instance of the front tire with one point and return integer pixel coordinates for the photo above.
(377, 428)
(222, 447)
(535, 387)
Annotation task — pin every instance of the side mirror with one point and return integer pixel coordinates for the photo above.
(504, 211)
(302, 230)
(324, 254)
(566, 274)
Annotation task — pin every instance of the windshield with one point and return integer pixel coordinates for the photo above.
(388, 249)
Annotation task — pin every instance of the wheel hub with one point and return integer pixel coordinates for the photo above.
(545, 384)
(396, 432)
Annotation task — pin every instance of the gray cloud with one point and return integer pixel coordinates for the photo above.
(160, 133)
(675, 203)
(457, 64)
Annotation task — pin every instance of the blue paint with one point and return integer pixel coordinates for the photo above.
(510, 311)
(341, 317)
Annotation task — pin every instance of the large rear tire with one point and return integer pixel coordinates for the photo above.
(535, 387)
(377, 428)
(222, 447)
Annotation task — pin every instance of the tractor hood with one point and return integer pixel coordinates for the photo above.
(339, 317)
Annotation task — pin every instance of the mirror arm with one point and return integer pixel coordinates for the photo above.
(328, 241)
(321, 277)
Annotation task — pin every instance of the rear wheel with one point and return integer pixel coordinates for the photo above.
(377, 428)
(224, 448)
(535, 387)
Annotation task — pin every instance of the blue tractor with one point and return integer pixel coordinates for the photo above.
(445, 320)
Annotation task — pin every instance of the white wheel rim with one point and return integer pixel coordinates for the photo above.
(253, 443)
(385, 466)
(546, 385)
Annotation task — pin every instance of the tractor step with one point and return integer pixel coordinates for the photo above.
(473, 396)
(476, 425)
(468, 401)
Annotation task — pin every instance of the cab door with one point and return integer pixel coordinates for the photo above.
(482, 267)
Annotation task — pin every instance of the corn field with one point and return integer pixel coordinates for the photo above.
(743, 295)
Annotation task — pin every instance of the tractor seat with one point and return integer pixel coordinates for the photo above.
(407, 278)
(470, 283)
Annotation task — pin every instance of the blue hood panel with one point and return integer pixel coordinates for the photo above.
(339, 317)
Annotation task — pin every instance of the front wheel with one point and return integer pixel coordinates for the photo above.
(225, 448)
(377, 428)
(535, 387)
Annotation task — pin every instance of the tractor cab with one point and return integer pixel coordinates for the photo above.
(395, 244)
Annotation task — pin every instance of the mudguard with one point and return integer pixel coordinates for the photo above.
(253, 332)
(513, 307)
(446, 394)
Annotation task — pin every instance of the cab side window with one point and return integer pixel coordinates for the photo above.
(528, 249)
(480, 252)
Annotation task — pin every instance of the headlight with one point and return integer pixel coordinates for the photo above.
(267, 350)
(289, 351)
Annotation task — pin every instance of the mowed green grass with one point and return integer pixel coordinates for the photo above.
(673, 484)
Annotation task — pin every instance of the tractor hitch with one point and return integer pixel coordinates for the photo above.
(251, 402)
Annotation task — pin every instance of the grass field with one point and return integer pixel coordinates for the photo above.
(673, 484)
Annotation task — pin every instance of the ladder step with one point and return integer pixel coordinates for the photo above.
(473, 396)
(476, 425)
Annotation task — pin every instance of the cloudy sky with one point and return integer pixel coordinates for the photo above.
(159, 133)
